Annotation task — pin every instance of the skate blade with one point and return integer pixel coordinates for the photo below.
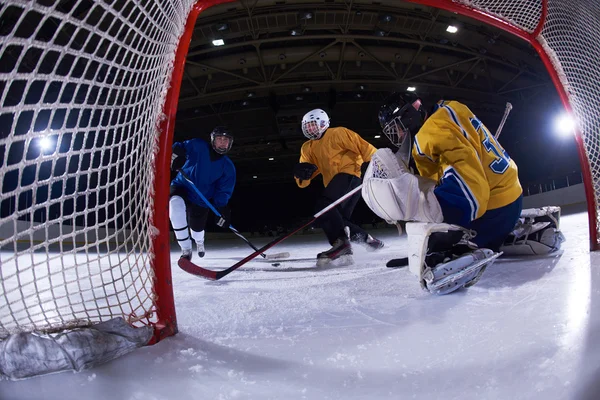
(439, 286)
(341, 261)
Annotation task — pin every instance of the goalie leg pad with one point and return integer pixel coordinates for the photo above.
(444, 258)
(537, 233)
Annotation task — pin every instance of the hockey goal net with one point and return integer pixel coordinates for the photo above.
(88, 98)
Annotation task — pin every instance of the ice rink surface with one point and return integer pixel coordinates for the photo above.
(530, 329)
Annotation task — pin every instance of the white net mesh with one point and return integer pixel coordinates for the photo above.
(82, 88)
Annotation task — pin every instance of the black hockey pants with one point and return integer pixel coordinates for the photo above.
(334, 221)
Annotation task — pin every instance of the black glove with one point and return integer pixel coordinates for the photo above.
(363, 169)
(225, 220)
(304, 170)
(178, 159)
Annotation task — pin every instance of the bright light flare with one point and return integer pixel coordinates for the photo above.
(565, 125)
(218, 42)
(451, 29)
(45, 143)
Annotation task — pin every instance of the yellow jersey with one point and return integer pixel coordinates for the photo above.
(455, 148)
(339, 150)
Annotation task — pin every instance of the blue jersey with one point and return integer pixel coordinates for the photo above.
(214, 177)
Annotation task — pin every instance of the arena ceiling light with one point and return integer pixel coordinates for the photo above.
(411, 89)
(271, 159)
(377, 136)
(218, 42)
(452, 29)
(297, 32)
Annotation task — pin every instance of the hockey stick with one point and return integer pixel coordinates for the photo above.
(194, 269)
(218, 214)
(504, 118)
(397, 262)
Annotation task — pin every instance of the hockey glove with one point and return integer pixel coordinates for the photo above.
(225, 219)
(304, 171)
(178, 159)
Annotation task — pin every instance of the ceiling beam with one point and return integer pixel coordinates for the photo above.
(190, 102)
(442, 68)
(305, 59)
(224, 71)
(354, 38)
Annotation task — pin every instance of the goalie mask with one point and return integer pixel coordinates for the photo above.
(315, 123)
(401, 117)
(221, 140)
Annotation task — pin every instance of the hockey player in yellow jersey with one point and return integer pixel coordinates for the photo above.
(338, 154)
(468, 189)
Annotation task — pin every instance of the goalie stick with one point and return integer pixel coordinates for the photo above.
(237, 233)
(194, 269)
(504, 118)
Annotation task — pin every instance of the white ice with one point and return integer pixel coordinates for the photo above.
(530, 329)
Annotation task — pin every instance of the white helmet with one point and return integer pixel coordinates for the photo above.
(315, 123)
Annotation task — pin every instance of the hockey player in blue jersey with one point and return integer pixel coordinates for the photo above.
(466, 200)
(213, 174)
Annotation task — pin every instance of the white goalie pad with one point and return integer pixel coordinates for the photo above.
(395, 194)
(537, 233)
(418, 238)
(450, 261)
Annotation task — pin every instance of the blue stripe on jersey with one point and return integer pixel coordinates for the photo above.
(419, 151)
(458, 203)
(454, 118)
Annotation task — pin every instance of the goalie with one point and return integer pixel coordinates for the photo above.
(468, 198)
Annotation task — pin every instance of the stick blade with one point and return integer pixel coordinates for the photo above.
(397, 263)
(194, 269)
(278, 256)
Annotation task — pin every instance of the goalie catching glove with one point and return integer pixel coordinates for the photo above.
(304, 171)
(396, 194)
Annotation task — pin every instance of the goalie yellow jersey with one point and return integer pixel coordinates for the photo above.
(474, 172)
(339, 150)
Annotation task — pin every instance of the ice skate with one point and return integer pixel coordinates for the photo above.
(341, 252)
(187, 254)
(200, 248)
(444, 258)
(366, 240)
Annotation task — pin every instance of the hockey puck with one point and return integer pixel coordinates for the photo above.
(276, 264)
(397, 263)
